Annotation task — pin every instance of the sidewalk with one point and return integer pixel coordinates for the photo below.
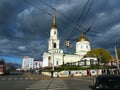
(44, 77)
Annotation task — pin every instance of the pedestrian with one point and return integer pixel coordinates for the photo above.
(31, 70)
(108, 71)
(88, 73)
(69, 73)
(103, 71)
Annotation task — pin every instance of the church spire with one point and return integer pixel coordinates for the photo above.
(54, 20)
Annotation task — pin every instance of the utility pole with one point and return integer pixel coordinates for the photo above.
(53, 60)
(116, 55)
(52, 72)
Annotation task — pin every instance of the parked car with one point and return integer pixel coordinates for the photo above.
(106, 82)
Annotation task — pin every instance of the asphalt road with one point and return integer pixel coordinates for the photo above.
(60, 85)
(15, 81)
(15, 85)
(22, 82)
(78, 84)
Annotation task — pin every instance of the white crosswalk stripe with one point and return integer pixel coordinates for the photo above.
(15, 78)
(26, 78)
(48, 85)
(9, 78)
(21, 78)
(3, 78)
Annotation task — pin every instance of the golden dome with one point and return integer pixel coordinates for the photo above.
(82, 38)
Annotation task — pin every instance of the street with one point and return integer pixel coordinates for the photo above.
(60, 85)
(22, 82)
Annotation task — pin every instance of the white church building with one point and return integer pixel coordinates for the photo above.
(55, 55)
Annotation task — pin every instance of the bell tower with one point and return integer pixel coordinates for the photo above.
(54, 42)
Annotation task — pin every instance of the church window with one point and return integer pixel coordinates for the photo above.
(81, 46)
(91, 61)
(57, 62)
(54, 32)
(49, 58)
(87, 47)
(54, 45)
(85, 62)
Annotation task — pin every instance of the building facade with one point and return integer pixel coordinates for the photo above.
(55, 55)
(30, 63)
(37, 64)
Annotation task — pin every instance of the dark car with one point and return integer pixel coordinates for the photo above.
(106, 82)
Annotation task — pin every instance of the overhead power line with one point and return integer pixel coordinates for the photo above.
(71, 21)
(31, 3)
(89, 7)
(44, 11)
(35, 20)
(81, 19)
(47, 5)
(76, 27)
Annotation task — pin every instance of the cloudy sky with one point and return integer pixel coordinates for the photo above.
(25, 24)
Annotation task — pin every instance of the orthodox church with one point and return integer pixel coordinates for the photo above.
(55, 55)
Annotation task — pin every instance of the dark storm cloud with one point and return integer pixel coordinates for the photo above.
(105, 18)
(24, 29)
(33, 22)
(8, 12)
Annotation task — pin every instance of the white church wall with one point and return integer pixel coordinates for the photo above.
(45, 59)
(71, 58)
(82, 47)
(90, 60)
(58, 59)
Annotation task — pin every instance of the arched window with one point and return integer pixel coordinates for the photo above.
(57, 63)
(81, 46)
(54, 45)
(87, 47)
(54, 32)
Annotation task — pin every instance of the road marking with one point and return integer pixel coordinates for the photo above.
(26, 78)
(31, 78)
(15, 78)
(49, 85)
(3, 78)
(31, 88)
(21, 78)
(9, 78)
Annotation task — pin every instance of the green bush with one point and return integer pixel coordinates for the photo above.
(74, 67)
